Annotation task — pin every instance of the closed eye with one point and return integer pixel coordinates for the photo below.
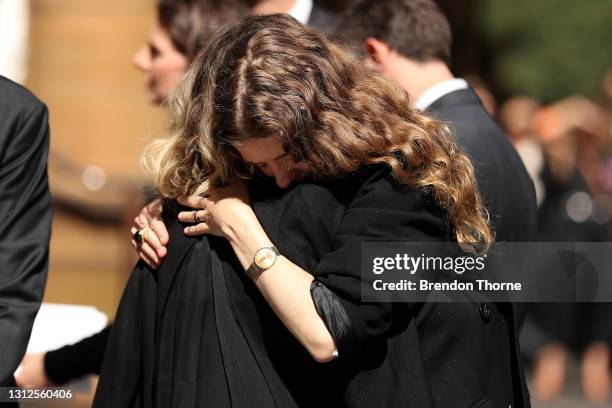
(264, 165)
(153, 50)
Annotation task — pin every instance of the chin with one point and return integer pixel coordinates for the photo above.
(155, 99)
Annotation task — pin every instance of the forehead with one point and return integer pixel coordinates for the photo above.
(160, 37)
(260, 150)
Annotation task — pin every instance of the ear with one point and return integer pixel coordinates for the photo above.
(377, 50)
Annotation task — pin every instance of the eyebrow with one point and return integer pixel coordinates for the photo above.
(274, 159)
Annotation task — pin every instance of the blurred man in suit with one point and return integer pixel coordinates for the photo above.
(25, 220)
(409, 41)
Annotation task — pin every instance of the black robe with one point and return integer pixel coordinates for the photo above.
(197, 330)
(198, 333)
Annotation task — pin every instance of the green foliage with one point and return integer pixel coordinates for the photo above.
(548, 48)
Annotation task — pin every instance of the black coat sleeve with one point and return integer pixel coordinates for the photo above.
(381, 211)
(78, 359)
(25, 219)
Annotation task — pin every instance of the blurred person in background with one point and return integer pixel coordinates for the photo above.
(181, 28)
(485, 95)
(25, 219)
(409, 41)
(516, 116)
(560, 143)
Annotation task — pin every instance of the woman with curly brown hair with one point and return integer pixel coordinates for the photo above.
(353, 162)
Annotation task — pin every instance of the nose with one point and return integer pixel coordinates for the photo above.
(282, 176)
(283, 181)
(142, 59)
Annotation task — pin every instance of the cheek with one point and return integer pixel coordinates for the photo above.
(168, 73)
(300, 169)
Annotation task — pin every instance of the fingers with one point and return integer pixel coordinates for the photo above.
(155, 208)
(155, 234)
(144, 250)
(149, 236)
(141, 220)
(149, 255)
(192, 216)
(148, 260)
(198, 229)
(159, 228)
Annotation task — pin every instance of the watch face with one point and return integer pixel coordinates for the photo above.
(265, 257)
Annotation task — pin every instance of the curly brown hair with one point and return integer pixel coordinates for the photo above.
(272, 76)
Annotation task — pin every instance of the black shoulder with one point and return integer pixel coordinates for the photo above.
(378, 186)
(385, 204)
(24, 128)
(322, 19)
(17, 101)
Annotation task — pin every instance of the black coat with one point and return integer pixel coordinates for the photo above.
(321, 18)
(502, 178)
(198, 333)
(506, 188)
(25, 219)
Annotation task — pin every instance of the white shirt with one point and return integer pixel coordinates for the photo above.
(14, 28)
(301, 11)
(439, 90)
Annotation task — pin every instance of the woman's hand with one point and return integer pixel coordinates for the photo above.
(154, 235)
(223, 210)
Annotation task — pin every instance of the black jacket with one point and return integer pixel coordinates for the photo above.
(502, 178)
(321, 18)
(198, 333)
(506, 188)
(25, 219)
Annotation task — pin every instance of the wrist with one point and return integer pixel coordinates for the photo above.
(246, 239)
(249, 229)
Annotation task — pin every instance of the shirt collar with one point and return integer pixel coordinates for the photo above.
(301, 11)
(439, 90)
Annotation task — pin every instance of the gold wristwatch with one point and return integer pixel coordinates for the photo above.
(263, 260)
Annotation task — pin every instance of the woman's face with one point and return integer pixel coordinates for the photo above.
(163, 64)
(268, 156)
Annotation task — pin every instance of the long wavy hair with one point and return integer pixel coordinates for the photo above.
(272, 76)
